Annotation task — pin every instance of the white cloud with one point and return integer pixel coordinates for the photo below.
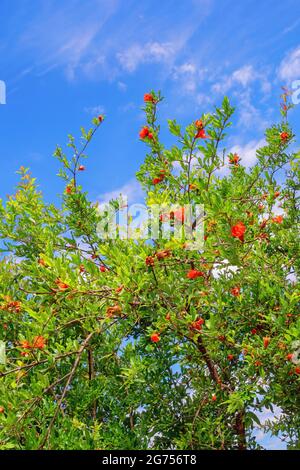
(249, 114)
(189, 76)
(244, 76)
(224, 269)
(203, 99)
(95, 110)
(150, 52)
(67, 36)
(131, 189)
(247, 152)
(187, 68)
(289, 68)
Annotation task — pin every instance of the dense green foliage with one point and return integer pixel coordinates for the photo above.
(126, 344)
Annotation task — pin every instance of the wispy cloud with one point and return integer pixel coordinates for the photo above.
(149, 52)
(188, 75)
(249, 113)
(289, 68)
(247, 152)
(66, 35)
(131, 189)
(95, 110)
(244, 76)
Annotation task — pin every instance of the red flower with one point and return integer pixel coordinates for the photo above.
(179, 214)
(81, 168)
(2, 409)
(163, 254)
(61, 285)
(197, 325)
(297, 370)
(144, 132)
(81, 268)
(148, 97)
(289, 357)
(234, 160)
(278, 219)
(199, 124)
(39, 342)
(257, 363)
(25, 344)
(266, 341)
(238, 231)
(214, 397)
(236, 291)
(155, 338)
(115, 310)
(100, 118)
(168, 316)
(284, 136)
(201, 134)
(149, 261)
(230, 357)
(69, 189)
(253, 331)
(150, 136)
(103, 268)
(194, 273)
(119, 289)
(157, 180)
(276, 194)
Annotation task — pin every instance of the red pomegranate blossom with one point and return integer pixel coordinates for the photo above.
(235, 291)
(194, 273)
(149, 261)
(144, 132)
(148, 97)
(39, 342)
(201, 134)
(278, 219)
(155, 338)
(197, 325)
(157, 180)
(284, 136)
(238, 231)
(234, 160)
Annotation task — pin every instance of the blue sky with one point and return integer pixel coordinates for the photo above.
(64, 61)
